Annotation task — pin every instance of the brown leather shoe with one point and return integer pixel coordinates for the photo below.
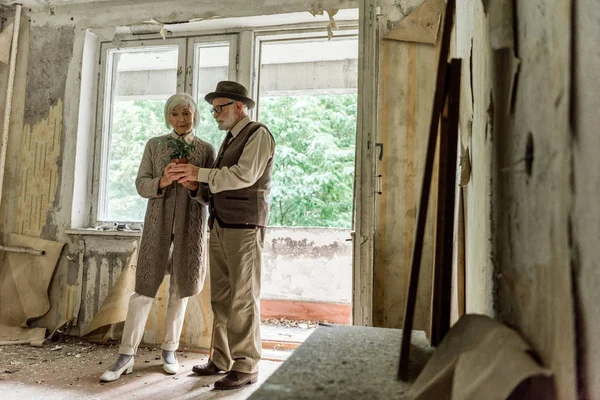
(235, 380)
(207, 369)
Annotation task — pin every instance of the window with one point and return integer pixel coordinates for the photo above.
(308, 97)
(305, 88)
(212, 62)
(138, 79)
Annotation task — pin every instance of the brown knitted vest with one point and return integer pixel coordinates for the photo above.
(247, 207)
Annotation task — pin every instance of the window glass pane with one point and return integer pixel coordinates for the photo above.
(307, 97)
(212, 66)
(139, 83)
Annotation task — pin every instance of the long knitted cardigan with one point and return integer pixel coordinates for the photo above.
(176, 213)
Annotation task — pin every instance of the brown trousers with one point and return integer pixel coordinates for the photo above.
(235, 268)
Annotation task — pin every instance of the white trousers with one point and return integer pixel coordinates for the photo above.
(137, 314)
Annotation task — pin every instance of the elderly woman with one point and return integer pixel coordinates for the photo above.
(172, 241)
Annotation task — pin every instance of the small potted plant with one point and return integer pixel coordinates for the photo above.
(180, 150)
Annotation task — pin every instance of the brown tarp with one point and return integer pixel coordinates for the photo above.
(479, 358)
(10, 335)
(24, 281)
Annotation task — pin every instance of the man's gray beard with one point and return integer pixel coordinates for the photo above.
(227, 124)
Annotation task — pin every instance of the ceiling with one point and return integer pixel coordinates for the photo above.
(33, 4)
(37, 3)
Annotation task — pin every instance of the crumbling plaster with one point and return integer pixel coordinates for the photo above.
(393, 11)
(518, 198)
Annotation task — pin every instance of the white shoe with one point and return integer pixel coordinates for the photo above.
(109, 376)
(170, 369)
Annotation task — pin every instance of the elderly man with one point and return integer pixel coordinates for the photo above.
(238, 186)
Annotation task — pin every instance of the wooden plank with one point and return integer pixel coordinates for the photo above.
(407, 85)
(396, 206)
(425, 190)
(458, 273)
(442, 278)
(366, 123)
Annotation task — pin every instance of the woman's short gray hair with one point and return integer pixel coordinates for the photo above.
(180, 100)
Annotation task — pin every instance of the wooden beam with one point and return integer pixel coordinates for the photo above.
(442, 276)
(436, 111)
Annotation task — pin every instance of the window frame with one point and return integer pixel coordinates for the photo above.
(239, 60)
(104, 117)
(185, 83)
(191, 86)
(298, 34)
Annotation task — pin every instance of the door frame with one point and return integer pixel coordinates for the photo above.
(364, 217)
(364, 187)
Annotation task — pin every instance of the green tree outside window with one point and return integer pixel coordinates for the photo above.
(313, 173)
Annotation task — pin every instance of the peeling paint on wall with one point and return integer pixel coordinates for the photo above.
(6, 42)
(38, 172)
(516, 209)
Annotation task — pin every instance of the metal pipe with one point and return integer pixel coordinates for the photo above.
(27, 250)
(9, 94)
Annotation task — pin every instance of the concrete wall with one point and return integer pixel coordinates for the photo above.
(16, 118)
(517, 208)
(328, 76)
(529, 120)
(308, 264)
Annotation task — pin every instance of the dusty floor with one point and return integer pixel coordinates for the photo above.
(71, 368)
(286, 330)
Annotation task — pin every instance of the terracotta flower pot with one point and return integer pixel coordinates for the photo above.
(180, 160)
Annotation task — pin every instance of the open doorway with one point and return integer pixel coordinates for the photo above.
(306, 89)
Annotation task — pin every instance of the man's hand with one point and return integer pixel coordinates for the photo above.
(167, 177)
(185, 173)
(193, 186)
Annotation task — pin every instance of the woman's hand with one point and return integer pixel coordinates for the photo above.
(185, 173)
(168, 176)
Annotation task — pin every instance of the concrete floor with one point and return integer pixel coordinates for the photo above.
(71, 368)
(346, 362)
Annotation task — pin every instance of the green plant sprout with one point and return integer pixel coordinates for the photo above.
(181, 148)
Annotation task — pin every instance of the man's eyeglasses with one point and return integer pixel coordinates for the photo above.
(219, 109)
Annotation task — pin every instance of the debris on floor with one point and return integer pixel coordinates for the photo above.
(289, 323)
(44, 361)
(286, 330)
(71, 369)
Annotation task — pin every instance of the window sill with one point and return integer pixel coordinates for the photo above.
(107, 232)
